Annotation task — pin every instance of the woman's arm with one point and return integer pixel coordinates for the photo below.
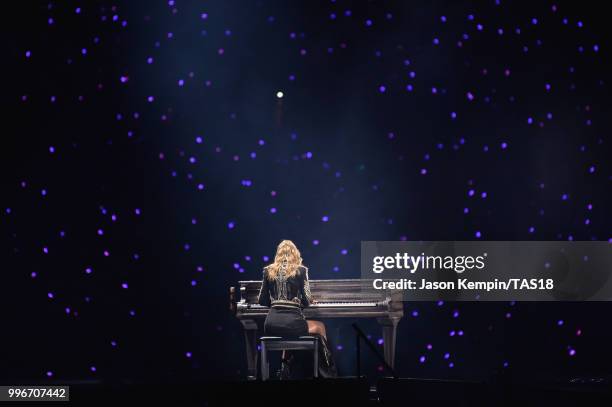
(306, 294)
(264, 291)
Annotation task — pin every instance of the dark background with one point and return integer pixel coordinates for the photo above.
(90, 165)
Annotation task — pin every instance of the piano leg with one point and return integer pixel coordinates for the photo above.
(250, 338)
(389, 327)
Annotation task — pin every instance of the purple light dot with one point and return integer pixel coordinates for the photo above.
(415, 314)
(560, 322)
(504, 145)
(272, 210)
(150, 99)
(466, 210)
(483, 195)
(315, 242)
(181, 82)
(50, 295)
(471, 192)
(325, 219)
(446, 355)
(422, 359)
(137, 211)
(194, 283)
(478, 234)
(368, 23)
(198, 140)
(33, 274)
(344, 252)
(188, 354)
(429, 346)
(423, 171)
(380, 341)
(451, 333)
(339, 347)
(124, 286)
(93, 369)
(88, 270)
(572, 352)
(100, 232)
(382, 88)
(231, 225)
(45, 250)
(43, 192)
(49, 373)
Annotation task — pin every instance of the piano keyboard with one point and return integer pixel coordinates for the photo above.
(344, 304)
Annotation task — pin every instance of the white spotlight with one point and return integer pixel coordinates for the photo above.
(280, 94)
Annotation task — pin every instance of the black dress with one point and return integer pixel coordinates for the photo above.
(286, 296)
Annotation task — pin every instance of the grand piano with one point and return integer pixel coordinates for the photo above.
(348, 298)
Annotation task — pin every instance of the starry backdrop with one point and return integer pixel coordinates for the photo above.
(155, 152)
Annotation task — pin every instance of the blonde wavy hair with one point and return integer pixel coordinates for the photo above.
(287, 255)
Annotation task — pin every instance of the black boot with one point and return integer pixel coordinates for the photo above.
(327, 366)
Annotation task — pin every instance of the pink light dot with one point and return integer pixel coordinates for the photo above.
(49, 373)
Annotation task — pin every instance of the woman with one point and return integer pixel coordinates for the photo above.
(286, 290)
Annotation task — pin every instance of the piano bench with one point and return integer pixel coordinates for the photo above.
(277, 343)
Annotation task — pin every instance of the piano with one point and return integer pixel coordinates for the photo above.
(348, 298)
